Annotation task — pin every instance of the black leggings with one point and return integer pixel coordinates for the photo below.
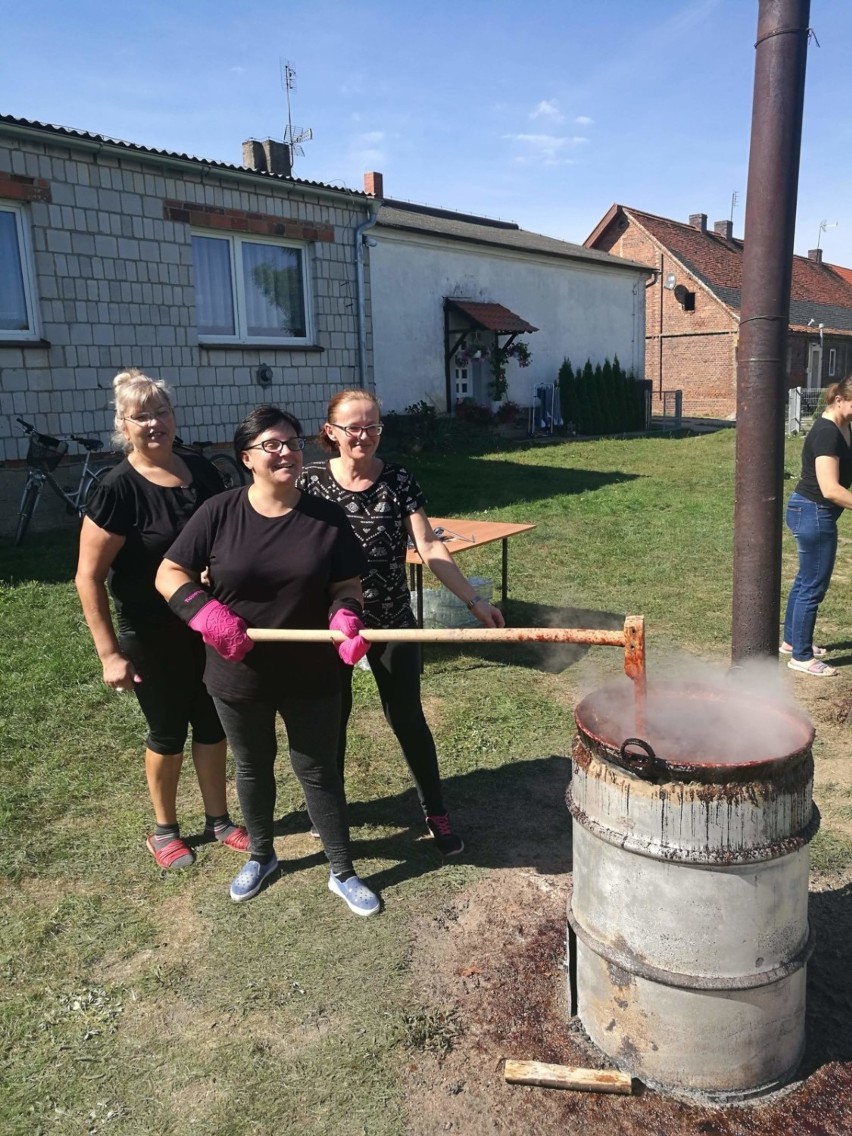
(169, 659)
(396, 669)
(312, 729)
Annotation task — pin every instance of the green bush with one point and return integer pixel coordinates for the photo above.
(601, 398)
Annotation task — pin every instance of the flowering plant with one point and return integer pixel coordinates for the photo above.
(521, 352)
(499, 361)
(469, 411)
(469, 354)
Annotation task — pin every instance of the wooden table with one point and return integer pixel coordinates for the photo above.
(465, 535)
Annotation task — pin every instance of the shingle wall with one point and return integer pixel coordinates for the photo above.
(114, 281)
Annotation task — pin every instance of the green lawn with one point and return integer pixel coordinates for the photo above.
(137, 1002)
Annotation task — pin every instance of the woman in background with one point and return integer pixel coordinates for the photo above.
(133, 517)
(385, 506)
(812, 511)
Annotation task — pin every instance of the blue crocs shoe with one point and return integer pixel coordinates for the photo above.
(355, 894)
(249, 880)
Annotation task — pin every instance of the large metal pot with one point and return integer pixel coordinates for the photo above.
(688, 922)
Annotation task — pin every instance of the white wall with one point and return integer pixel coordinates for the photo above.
(582, 310)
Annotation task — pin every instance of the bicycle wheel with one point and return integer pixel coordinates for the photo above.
(29, 500)
(95, 475)
(230, 471)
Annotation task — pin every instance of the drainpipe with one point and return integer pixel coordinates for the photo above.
(360, 300)
(773, 176)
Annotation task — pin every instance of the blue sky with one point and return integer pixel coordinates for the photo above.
(544, 112)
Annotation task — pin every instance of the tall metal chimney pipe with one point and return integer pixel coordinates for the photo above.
(773, 175)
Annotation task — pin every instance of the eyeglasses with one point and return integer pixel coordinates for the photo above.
(149, 416)
(372, 431)
(276, 445)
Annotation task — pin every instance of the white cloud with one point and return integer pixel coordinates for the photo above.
(583, 120)
(546, 149)
(367, 152)
(549, 109)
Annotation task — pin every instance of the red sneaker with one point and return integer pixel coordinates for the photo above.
(238, 838)
(176, 854)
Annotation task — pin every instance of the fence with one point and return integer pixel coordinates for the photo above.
(671, 406)
(802, 406)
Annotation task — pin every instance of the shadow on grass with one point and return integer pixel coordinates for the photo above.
(468, 484)
(48, 558)
(829, 995)
(513, 816)
(549, 658)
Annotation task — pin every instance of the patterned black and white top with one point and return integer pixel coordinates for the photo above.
(376, 515)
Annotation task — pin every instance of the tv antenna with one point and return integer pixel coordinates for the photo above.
(823, 225)
(294, 136)
(735, 196)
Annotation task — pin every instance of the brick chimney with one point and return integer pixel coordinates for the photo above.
(724, 229)
(374, 184)
(815, 255)
(698, 221)
(267, 157)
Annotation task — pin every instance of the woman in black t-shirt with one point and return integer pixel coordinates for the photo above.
(276, 559)
(812, 511)
(134, 515)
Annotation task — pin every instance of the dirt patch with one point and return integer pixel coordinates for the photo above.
(182, 935)
(490, 965)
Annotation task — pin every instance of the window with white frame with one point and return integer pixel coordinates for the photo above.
(832, 362)
(17, 280)
(249, 290)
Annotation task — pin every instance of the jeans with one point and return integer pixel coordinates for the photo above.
(312, 725)
(815, 529)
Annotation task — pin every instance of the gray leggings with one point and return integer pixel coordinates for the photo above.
(312, 726)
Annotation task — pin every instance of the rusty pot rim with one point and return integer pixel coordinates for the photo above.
(697, 768)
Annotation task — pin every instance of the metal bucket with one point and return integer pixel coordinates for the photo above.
(688, 922)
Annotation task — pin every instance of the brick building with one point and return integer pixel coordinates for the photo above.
(692, 309)
(237, 284)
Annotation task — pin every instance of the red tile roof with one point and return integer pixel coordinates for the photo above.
(821, 292)
(846, 273)
(492, 317)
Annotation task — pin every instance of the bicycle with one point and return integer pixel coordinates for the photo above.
(232, 473)
(43, 456)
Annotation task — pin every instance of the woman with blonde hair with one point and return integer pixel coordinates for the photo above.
(133, 517)
(385, 507)
(819, 498)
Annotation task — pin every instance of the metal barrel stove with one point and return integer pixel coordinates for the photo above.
(688, 922)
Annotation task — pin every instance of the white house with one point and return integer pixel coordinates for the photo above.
(443, 281)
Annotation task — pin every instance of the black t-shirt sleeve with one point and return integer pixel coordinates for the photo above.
(112, 508)
(191, 549)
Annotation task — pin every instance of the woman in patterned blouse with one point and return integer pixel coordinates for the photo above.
(385, 507)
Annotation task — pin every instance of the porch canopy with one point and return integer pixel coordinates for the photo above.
(463, 317)
(490, 317)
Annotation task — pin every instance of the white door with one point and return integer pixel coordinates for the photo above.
(815, 367)
(463, 382)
